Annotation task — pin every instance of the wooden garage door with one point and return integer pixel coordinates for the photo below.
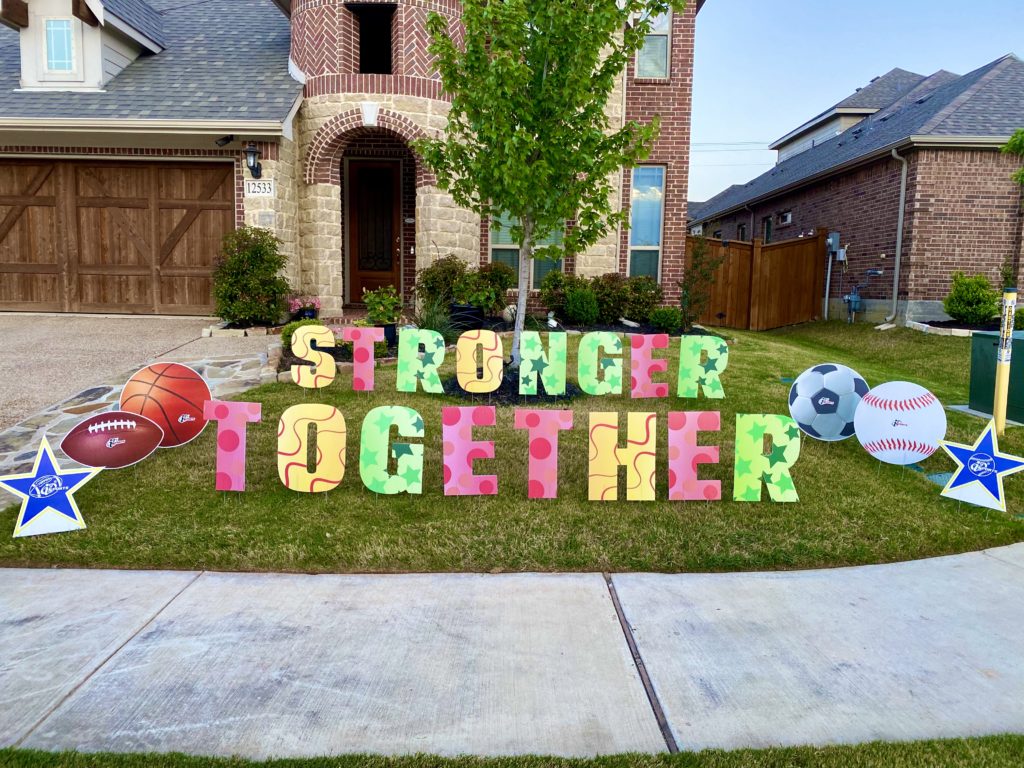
(112, 237)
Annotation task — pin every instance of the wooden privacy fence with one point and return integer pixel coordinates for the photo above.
(759, 287)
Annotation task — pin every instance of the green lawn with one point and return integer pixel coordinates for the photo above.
(989, 752)
(165, 513)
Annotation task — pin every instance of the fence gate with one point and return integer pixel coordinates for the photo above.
(759, 287)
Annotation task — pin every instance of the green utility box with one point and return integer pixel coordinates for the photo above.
(984, 345)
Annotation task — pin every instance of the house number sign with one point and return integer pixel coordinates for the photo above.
(259, 187)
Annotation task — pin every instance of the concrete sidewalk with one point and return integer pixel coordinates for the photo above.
(287, 665)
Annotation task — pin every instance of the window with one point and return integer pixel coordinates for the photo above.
(717, 234)
(60, 45)
(786, 218)
(374, 22)
(507, 252)
(766, 229)
(652, 60)
(741, 231)
(646, 214)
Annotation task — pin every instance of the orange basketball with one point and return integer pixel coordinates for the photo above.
(172, 395)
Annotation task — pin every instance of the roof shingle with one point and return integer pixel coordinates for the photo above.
(988, 102)
(212, 68)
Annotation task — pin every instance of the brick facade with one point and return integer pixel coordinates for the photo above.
(963, 213)
(345, 114)
(671, 100)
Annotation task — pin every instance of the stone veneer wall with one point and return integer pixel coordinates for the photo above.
(278, 213)
(442, 228)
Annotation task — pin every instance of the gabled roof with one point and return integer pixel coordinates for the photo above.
(879, 93)
(985, 106)
(140, 16)
(214, 68)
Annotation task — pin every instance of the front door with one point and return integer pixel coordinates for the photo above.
(374, 226)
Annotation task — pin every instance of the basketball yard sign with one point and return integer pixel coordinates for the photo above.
(167, 405)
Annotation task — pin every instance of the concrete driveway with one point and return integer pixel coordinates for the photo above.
(47, 358)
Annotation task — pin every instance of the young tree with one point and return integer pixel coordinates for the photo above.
(1015, 146)
(527, 134)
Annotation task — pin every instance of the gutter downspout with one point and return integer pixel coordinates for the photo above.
(899, 235)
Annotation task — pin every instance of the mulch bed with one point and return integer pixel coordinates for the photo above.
(508, 392)
(991, 325)
(644, 329)
(342, 354)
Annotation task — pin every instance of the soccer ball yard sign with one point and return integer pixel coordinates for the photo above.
(824, 399)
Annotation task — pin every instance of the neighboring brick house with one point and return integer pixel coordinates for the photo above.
(838, 171)
(126, 129)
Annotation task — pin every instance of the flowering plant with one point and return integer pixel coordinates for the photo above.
(299, 303)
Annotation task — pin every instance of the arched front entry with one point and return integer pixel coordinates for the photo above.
(377, 175)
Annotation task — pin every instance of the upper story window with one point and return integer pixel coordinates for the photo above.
(647, 207)
(60, 46)
(652, 60)
(374, 24)
(767, 230)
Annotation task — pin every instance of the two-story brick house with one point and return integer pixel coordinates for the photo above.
(135, 133)
(909, 171)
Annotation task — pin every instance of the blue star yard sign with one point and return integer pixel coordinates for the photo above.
(48, 504)
(979, 478)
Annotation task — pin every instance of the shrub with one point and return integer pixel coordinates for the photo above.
(552, 291)
(383, 306)
(667, 319)
(611, 297)
(473, 289)
(643, 294)
(971, 300)
(581, 304)
(434, 316)
(289, 330)
(1018, 320)
(499, 276)
(247, 286)
(437, 282)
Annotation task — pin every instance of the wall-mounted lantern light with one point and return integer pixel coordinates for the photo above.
(252, 160)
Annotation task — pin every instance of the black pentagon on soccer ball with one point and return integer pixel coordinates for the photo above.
(849, 430)
(810, 431)
(860, 387)
(826, 401)
(823, 369)
(792, 395)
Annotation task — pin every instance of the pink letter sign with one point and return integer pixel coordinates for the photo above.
(363, 361)
(644, 366)
(231, 418)
(684, 456)
(544, 427)
(461, 450)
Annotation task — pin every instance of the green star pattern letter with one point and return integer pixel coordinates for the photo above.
(695, 376)
(549, 366)
(373, 451)
(591, 364)
(412, 368)
(755, 468)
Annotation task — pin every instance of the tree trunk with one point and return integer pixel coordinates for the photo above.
(525, 265)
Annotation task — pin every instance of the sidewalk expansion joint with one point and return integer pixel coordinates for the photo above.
(641, 668)
(989, 553)
(104, 662)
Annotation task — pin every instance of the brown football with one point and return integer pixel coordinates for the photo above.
(112, 440)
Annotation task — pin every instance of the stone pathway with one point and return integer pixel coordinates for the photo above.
(264, 665)
(227, 376)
